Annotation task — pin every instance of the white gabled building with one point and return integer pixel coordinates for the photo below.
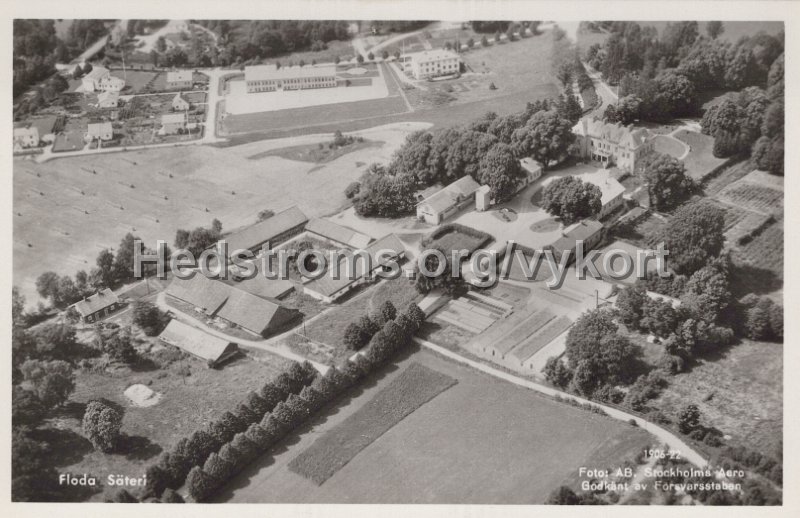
(271, 78)
(99, 79)
(612, 144)
(25, 138)
(433, 63)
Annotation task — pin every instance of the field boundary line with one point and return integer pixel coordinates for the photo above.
(667, 437)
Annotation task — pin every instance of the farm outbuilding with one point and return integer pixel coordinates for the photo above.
(446, 202)
(337, 234)
(211, 349)
(97, 306)
(206, 295)
(273, 230)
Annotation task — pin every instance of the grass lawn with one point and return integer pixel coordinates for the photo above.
(669, 146)
(139, 81)
(482, 441)
(316, 153)
(329, 328)
(192, 395)
(645, 233)
(275, 123)
(739, 392)
(413, 388)
(449, 238)
(700, 161)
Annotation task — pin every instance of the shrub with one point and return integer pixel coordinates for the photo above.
(352, 190)
(352, 371)
(149, 318)
(231, 425)
(230, 455)
(354, 337)
(201, 445)
(556, 372)
(180, 460)
(388, 311)
(259, 436)
(171, 497)
(246, 415)
(219, 432)
(200, 485)
(283, 417)
(689, 419)
(101, 424)
(272, 426)
(312, 398)
(158, 479)
(257, 404)
(246, 448)
(272, 394)
(218, 468)
(415, 314)
(123, 496)
(298, 410)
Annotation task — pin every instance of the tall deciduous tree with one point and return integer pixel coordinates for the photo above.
(571, 199)
(546, 137)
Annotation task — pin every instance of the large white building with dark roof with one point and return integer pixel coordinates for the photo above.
(271, 78)
(612, 144)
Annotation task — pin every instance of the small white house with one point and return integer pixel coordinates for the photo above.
(99, 131)
(179, 104)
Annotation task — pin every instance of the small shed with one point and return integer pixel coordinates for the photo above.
(483, 198)
(209, 348)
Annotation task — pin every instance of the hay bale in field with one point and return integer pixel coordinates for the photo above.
(142, 396)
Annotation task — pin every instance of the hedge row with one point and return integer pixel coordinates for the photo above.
(173, 466)
(455, 227)
(205, 478)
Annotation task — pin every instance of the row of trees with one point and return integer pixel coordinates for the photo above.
(488, 150)
(261, 429)
(359, 333)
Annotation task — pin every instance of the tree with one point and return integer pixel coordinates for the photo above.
(546, 137)
(181, 239)
(158, 480)
(630, 305)
(216, 227)
(360, 59)
(57, 341)
(161, 44)
(659, 317)
(571, 199)
(257, 404)
(500, 170)
(123, 262)
(149, 317)
(626, 111)
(52, 381)
(563, 496)
(101, 424)
(415, 314)
(413, 158)
(200, 485)
(714, 29)
(463, 158)
(564, 74)
(105, 265)
(694, 236)
(354, 337)
(689, 419)
(707, 292)
(557, 373)
(668, 184)
(117, 344)
(171, 497)
(26, 408)
(48, 287)
(218, 468)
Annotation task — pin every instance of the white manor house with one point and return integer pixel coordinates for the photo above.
(432, 63)
(612, 144)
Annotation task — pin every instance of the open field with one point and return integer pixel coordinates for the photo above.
(740, 392)
(63, 230)
(482, 441)
(150, 430)
(406, 393)
(700, 161)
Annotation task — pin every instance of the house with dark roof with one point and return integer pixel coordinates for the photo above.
(206, 295)
(255, 314)
(612, 144)
(274, 230)
(589, 231)
(337, 234)
(97, 306)
(337, 281)
(232, 304)
(209, 348)
(439, 206)
(179, 79)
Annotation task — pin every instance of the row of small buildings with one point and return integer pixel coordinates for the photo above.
(99, 79)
